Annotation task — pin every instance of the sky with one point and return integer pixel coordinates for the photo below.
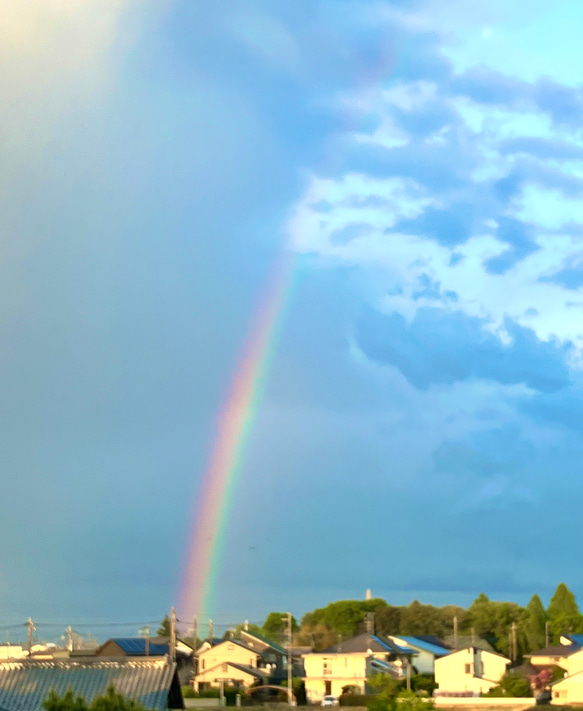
(420, 429)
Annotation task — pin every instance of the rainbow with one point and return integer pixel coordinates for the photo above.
(235, 419)
(234, 422)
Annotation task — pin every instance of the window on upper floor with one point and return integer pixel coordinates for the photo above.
(468, 668)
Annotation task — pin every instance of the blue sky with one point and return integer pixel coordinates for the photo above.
(420, 432)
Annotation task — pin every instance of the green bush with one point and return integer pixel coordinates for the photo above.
(423, 682)
(511, 685)
(409, 701)
(188, 692)
(357, 699)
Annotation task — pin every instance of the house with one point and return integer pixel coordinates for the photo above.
(244, 664)
(152, 647)
(571, 639)
(351, 663)
(471, 670)
(425, 652)
(272, 654)
(557, 655)
(240, 676)
(568, 690)
(152, 682)
(208, 643)
(12, 651)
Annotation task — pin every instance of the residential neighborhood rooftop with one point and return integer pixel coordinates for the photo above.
(25, 685)
(367, 643)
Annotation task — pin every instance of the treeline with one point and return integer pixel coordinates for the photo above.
(491, 620)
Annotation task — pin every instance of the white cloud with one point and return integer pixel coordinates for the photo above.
(358, 199)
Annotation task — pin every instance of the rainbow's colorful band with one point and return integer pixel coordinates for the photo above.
(213, 502)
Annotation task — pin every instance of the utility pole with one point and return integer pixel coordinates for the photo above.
(455, 632)
(514, 650)
(172, 646)
(547, 636)
(290, 697)
(370, 622)
(69, 632)
(147, 631)
(194, 644)
(408, 674)
(30, 629)
(211, 632)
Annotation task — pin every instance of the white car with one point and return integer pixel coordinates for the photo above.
(330, 701)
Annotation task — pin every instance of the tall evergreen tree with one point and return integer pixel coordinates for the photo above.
(563, 613)
(535, 623)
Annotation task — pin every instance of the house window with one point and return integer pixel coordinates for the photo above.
(225, 668)
(202, 662)
(468, 668)
(327, 669)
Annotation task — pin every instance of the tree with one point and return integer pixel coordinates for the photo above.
(110, 701)
(68, 702)
(535, 623)
(164, 629)
(275, 625)
(563, 613)
(388, 620)
(513, 685)
(424, 619)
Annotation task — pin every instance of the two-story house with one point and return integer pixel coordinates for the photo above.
(351, 663)
(471, 671)
(240, 662)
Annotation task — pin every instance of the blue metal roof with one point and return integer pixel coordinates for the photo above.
(25, 685)
(575, 638)
(426, 646)
(136, 646)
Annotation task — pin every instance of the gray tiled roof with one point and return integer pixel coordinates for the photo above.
(362, 644)
(25, 685)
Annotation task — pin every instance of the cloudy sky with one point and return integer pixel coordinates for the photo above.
(420, 431)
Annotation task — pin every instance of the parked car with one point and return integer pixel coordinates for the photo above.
(330, 701)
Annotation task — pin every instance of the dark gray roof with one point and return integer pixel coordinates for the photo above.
(465, 641)
(362, 644)
(558, 650)
(25, 685)
(259, 673)
(264, 641)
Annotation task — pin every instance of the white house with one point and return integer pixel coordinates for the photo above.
(351, 663)
(425, 652)
(469, 670)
